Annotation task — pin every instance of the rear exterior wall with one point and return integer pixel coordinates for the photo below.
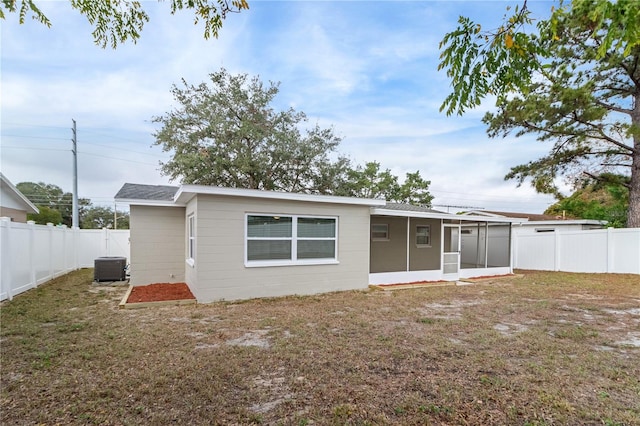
(220, 268)
(157, 244)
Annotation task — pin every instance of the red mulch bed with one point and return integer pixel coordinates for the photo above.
(160, 292)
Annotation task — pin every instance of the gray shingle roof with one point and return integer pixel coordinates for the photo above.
(134, 191)
(409, 208)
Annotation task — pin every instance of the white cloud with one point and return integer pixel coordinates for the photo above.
(368, 68)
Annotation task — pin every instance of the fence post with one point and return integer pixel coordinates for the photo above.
(105, 233)
(557, 251)
(32, 248)
(50, 253)
(610, 250)
(5, 257)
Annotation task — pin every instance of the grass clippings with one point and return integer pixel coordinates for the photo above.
(547, 348)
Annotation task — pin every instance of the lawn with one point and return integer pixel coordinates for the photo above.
(546, 348)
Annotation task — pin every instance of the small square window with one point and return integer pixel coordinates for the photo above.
(379, 232)
(423, 235)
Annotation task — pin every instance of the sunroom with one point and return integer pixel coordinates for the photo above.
(413, 244)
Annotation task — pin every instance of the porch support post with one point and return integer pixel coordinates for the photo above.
(408, 240)
(486, 244)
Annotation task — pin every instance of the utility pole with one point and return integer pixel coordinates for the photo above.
(74, 220)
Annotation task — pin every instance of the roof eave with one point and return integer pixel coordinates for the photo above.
(156, 203)
(187, 192)
(30, 207)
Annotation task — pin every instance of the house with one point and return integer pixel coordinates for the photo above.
(536, 223)
(229, 243)
(13, 203)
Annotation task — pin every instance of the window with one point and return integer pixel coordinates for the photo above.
(285, 240)
(191, 242)
(423, 235)
(379, 232)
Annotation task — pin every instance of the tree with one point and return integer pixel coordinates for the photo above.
(597, 199)
(97, 217)
(574, 81)
(50, 196)
(116, 21)
(371, 182)
(228, 134)
(46, 215)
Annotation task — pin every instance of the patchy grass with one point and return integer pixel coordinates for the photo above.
(548, 348)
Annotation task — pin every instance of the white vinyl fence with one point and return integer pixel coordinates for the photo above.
(601, 250)
(32, 254)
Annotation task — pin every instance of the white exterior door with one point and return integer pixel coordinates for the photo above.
(451, 252)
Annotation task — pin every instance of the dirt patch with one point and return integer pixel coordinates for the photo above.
(160, 292)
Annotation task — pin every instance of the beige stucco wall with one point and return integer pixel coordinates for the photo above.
(220, 269)
(391, 255)
(157, 244)
(15, 215)
(425, 258)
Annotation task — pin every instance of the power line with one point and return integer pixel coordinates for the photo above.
(35, 137)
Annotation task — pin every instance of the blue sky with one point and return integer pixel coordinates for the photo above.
(369, 69)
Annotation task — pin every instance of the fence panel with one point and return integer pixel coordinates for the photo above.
(535, 251)
(625, 250)
(583, 251)
(600, 250)
(32, 254)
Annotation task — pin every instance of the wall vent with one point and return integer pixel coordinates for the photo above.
(109, 269)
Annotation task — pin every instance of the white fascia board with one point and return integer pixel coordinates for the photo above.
(30, 207)
(186, 192)
(157, 203)
(430, 215)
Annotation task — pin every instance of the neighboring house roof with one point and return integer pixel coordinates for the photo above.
(528, 216)
(408, 210)
(157, 195)
(11, 193)
(537, 219)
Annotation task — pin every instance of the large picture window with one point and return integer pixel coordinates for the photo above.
(283, 239)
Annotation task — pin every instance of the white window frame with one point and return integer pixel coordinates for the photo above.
(418, 234)
(386, 232)
(191, 239)
(294, 242)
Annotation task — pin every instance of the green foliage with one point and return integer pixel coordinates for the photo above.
(606, 199)
(102, 217)
(371, 182)
(496, 62)
(52, 198)
(116, 21)
(228, 134)
(573, 80)
(46, 215)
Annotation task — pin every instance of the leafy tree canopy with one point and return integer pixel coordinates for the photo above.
(56, 206)
(369, 181)
(45, 195)
(116, 21)
(573, 80)
(597, 199)
(227, 133)
(98, 217)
